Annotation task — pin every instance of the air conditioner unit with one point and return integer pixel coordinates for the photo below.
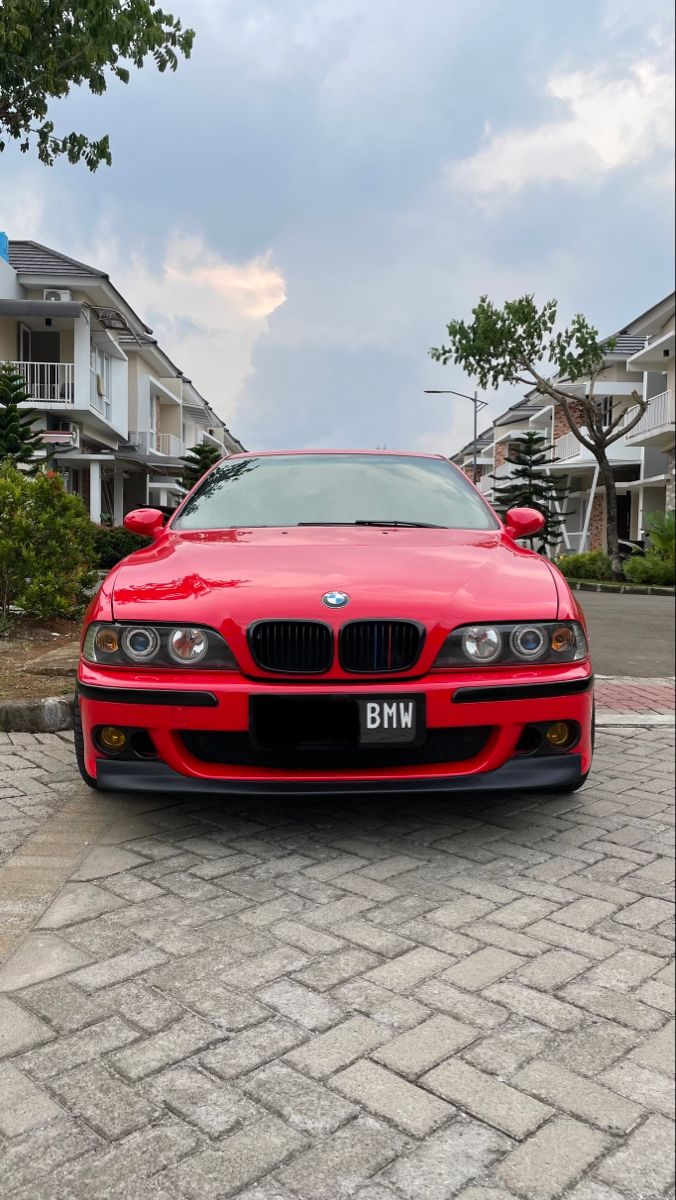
(68, 437)
(56, 294)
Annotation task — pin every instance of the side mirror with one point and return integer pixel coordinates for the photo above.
(147, 521)
(524, 522)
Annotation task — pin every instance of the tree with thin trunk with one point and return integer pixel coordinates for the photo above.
(48, 47)
(517, 344)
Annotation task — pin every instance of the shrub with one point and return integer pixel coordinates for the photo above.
(650, 568)
(46, 545)
(592, 564)
(661, 530)
(114, 543)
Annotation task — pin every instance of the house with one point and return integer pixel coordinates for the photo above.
(641, 360)
(113, 408)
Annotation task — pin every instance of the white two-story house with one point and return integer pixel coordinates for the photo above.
(115, 412)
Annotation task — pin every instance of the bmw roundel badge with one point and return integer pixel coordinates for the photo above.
(335, 599)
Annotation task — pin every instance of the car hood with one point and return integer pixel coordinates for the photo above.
(230, 578)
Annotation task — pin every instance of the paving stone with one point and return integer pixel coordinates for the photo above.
(568, 938)
(390, 1008)
(646, 913)
(403, 973)
(657, 1052)
(462, 911)
(115, 970)
(507, 1048)
(644, 1165)
(249, 1049)
(39, 956)
(485, 1097)
(187, 1036)
(338, 1047)
(482, 968)
(143, 1006)
(240, 1158)
(31, 1160)
(552, 969)
(624, 970)
(521, 913)
(579, 1097)
(464, 1006)
(334, 1168)
(328, 972)
(264, 969)
(19, 1030)
(527, 1002)
(614, 1005)
(106, 860)
(211, 998)
(213, 1106)
(125, 1169)
(100, 1098)
(447, 1160)
(650, 1089)
(307, 939)
(306, 1105)
(78, 902)
(594, 1048)
(421, 1048)
(76, 1048)
(23, 1106)
(552, 1159)
(301, 1004)
(385, 1094)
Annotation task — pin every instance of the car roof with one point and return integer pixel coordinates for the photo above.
(361, 453)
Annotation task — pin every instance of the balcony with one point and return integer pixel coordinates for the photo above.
(209, 439)
(50, 383)
(156, 445)
(656, 427)
(570, 453)
(485, 486)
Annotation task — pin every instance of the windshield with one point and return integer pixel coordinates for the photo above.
(335, 489)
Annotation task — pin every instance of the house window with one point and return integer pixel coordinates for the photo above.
(606, 407)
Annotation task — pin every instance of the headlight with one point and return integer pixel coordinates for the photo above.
(187, 645)
(541, 642)
(482, 643)
(115, 645)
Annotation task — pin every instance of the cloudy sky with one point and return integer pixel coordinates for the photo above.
(301, 208)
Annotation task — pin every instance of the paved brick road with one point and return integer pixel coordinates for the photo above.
(420, 1000)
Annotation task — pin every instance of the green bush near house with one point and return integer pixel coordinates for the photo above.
(651, 568)
(46, 546)
(591, 564)
(113, 543)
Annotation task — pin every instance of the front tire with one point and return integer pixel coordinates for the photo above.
(78, 739)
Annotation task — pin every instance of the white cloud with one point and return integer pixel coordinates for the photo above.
(606, 124)
(206, 312)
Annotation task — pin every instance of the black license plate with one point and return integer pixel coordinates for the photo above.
(391, 720)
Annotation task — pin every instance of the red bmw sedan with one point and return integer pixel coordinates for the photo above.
(332, 622)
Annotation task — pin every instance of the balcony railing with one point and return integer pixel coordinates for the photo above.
(149, 442)
(567, 446)
(48, 381)
(660, 411)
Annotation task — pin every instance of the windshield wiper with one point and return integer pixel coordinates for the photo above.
(379, 524)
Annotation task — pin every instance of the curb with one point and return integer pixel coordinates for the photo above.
(36, 716)
(589, 585)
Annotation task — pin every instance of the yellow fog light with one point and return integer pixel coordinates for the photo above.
(560, 735)
(563, 639)
(112, 738)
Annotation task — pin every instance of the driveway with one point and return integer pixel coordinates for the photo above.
(419, 999)
(630, 635)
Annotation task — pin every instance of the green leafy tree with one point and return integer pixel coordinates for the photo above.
(47, 47)
(516, 344)
(19, 444)
(197, 462)
(531, 486)
(46, 545)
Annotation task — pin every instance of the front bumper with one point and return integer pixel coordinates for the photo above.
(167, 703)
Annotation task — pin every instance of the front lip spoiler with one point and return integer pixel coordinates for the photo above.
(517, 774)
(127, 695)
(522, 691)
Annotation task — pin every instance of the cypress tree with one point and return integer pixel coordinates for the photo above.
(531, 486)
(19, 443)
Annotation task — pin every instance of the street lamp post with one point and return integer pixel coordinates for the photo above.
(478, 405)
